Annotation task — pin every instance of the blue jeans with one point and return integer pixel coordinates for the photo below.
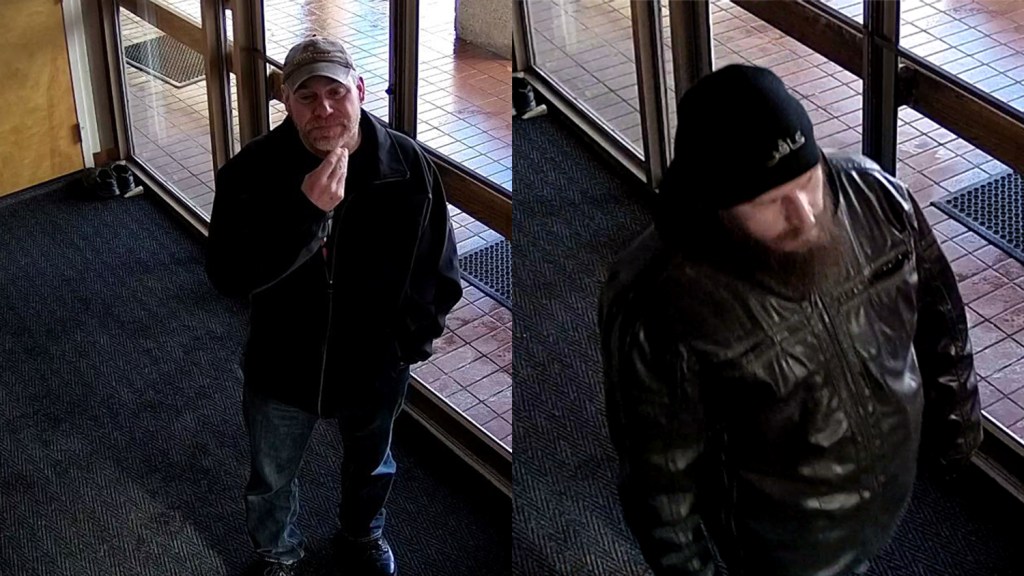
(278, 436)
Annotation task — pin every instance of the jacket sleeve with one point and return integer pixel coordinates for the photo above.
(258, 236)
(435, 283)
(951, 429)
(656, 423)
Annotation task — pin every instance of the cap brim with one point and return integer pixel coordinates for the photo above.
(329, 69)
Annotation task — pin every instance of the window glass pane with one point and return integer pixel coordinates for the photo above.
(587, 49)
(167, 102)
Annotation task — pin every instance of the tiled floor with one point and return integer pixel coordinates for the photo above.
(979, 41)
(991, 283)
(931, 160)
(472, 363)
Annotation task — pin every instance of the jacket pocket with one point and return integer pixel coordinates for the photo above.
(889, 269)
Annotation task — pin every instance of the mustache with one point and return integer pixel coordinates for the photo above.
(314, 124)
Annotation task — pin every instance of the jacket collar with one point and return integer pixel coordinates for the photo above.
(390, 165)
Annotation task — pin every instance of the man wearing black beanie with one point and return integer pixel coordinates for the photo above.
(783, 349)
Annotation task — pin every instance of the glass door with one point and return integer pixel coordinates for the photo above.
(174, 61)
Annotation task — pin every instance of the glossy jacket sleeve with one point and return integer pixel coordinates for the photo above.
(951, 429)
(656, 423)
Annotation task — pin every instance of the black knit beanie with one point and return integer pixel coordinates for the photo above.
(740, 133)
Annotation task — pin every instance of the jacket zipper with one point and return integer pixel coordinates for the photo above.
(846, 368)
(334, 231)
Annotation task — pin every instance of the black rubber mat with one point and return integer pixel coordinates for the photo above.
(992, 209)
(167, 59)
(489, 269)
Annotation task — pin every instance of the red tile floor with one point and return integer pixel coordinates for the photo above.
(979, 41)
(472, 364)
(585, 43)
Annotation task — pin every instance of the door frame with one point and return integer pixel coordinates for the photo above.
(81, 79)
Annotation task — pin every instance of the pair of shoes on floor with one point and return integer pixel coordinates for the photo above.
(365, 557)
(111, 181)
(354, 558)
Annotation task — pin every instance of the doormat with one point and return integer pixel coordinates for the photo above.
(165, 58)
(992, 209)
(489, 269)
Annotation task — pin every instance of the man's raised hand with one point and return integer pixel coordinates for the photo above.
(325, 186)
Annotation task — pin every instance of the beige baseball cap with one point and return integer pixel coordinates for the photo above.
(318, 56)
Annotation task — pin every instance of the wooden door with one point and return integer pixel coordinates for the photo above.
(39, 138)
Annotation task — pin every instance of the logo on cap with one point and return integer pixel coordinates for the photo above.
(785, 147)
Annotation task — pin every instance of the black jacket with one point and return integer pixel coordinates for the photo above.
(786, 430)
(380, 296)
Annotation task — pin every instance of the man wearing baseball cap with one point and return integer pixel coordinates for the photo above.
(335, 228)
(780, 347)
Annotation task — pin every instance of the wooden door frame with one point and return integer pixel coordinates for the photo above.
(81, 80)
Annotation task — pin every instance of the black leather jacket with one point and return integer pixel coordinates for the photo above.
(786, 430)
(375, 299)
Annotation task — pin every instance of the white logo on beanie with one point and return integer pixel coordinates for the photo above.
(786, 146)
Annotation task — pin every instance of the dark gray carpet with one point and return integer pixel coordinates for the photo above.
(122, 450)
(572, 217)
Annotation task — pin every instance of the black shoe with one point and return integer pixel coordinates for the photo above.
(366, 558)
(267, 568)
(99, 183)
(123, 176)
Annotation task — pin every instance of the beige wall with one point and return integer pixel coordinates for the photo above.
(486, 23)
